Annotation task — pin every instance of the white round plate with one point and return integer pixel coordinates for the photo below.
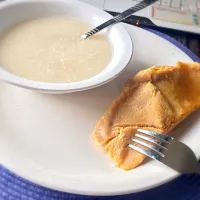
(46, 138)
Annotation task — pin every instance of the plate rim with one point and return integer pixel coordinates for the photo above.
(183, 48)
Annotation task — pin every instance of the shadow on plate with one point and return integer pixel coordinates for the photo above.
(184, 127)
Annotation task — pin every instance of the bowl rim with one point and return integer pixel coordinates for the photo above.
(93, 82)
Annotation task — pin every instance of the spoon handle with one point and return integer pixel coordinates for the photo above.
(118, 18)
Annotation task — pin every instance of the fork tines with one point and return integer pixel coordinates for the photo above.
(146, 140)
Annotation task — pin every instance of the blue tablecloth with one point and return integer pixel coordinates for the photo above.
(12, 187)
(186, 187)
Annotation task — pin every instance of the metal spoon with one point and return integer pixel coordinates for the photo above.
(118, 18)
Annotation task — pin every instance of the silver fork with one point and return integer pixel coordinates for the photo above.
(167, 150)
(119, 17)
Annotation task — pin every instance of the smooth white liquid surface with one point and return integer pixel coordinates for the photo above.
(52, 50)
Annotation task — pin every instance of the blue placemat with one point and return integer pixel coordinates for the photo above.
(12, 187)
(186, 187)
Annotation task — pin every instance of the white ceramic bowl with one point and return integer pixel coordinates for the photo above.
(15, 11)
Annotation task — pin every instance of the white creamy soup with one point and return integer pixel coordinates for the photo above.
(51, 50)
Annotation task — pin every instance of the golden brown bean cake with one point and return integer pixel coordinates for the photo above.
(156, 99)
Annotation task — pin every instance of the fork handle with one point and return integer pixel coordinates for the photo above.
(121, 16)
